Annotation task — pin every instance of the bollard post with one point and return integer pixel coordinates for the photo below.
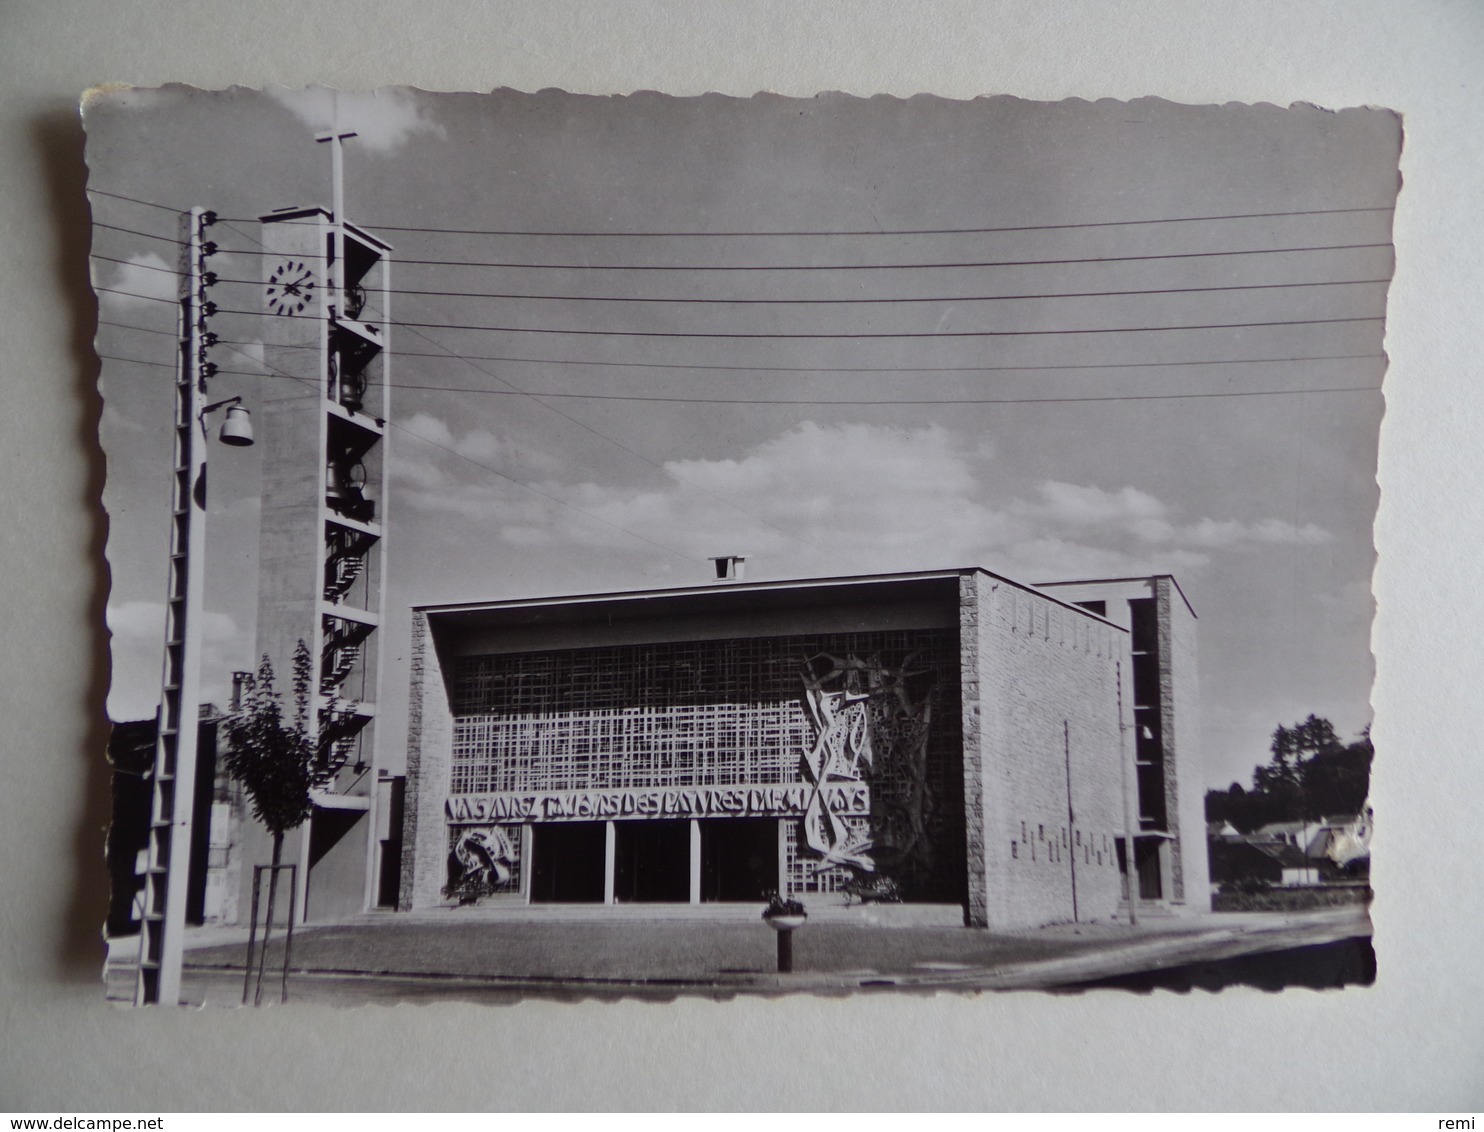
(784, 917)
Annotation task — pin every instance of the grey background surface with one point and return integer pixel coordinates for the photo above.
(1415, 1041)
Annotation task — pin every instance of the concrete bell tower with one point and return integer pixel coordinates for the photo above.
(321, 555)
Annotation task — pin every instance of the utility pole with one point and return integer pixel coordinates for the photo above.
(167, 869)
(1130, 873)
(1066, 740)
(168, 851)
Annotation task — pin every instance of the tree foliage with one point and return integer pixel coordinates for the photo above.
(277, 762)
(1311, 774)
(272, 757)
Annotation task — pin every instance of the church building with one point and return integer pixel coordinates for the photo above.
(969, 748)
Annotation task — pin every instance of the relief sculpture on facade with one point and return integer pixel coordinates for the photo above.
(486, 860)
(871, 724)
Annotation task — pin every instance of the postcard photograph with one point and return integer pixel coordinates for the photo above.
(707, 546)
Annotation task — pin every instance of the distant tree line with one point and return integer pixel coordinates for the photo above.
(1312, 774)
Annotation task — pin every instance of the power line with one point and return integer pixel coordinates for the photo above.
(774, 335)
(248, 236)
(875, 231)
(855, 336)
(512, 391)
(513, 265)
(815, 302)
(544, 494)
(135, 200)
(901, 369)
(485, 467)
(600, 435)
(877, 402)
(858, 232)
(172, 365)
(853, 402)
(859, 369)
(150, 266)
(144, 329)
(150, 298)
(855, 301)
(515, 390)
(135, 232)
(512, 359)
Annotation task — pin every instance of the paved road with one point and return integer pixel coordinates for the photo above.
(397, 958)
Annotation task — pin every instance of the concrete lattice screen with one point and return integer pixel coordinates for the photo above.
(704, 713)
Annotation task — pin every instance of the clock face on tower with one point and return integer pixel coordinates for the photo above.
(290, 287)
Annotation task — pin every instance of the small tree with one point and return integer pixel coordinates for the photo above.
(273, 758)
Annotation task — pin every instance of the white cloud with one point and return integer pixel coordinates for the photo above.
(430, 428)
(1050, 558)
(901, 462)
(1067, 507)
(138, 647)
(476, 444)
(836, 497)
(145, 621)
(1275, 530)
(143, 281)
(382, 119)
(1153, 530)
(1066, 503)
(430, 480)
(1209, 532)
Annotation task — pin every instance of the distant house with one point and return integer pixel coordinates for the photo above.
(1234, 861)
(1295, 833)
(1295, 866)
(1268, 862)
(1291, 852)
(131, 756)
(216, 815)
(1344, 842)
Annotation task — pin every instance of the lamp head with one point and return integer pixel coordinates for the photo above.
(237, 427)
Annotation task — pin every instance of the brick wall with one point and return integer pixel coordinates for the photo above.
(1040, 696)
(971, 651)
(1184, 772)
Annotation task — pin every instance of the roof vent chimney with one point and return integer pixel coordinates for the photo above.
(731, 568)
(241, 682)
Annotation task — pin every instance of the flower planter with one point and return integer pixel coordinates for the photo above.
(785, 923)
(784, 917)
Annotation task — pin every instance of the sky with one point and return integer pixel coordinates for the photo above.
(898, 348)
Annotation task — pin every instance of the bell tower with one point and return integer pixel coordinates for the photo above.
(321, 555)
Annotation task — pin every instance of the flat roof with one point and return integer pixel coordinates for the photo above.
(295, 212)
(782, 593)
(1110, 581)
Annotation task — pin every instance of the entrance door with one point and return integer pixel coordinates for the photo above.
(337, 863)
(1146, 858)
(567, 862)
(651, 862)
(1146, 868)
(739, 859)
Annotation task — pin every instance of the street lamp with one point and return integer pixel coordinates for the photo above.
(236, 427)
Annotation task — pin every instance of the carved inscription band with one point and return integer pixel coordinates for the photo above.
(845, 799)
